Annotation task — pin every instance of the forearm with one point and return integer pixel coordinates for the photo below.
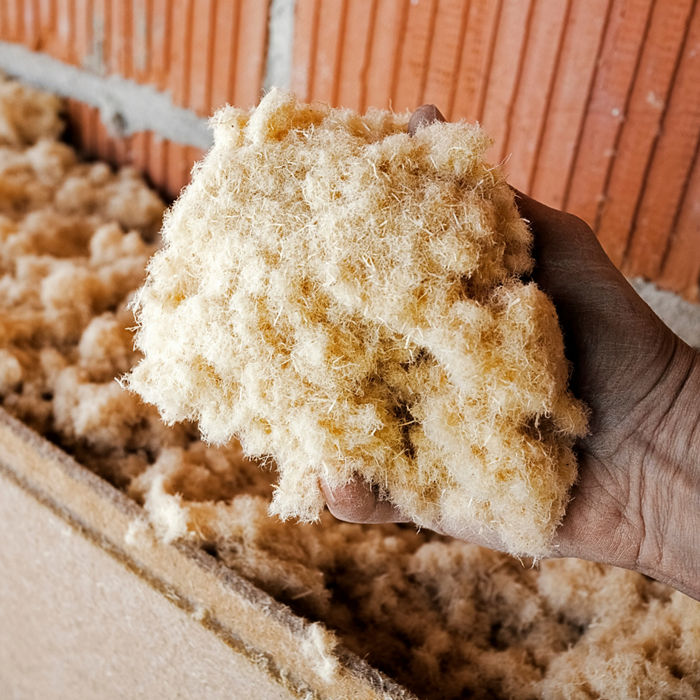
(670, 491)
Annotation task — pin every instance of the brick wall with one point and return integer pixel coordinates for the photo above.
(204, 53)
(593, 104)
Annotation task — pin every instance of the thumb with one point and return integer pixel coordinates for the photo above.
(423, 116)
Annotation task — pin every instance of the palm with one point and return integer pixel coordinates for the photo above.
(619, 350)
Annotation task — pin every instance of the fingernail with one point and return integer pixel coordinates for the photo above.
(327, 492)
(424, 115)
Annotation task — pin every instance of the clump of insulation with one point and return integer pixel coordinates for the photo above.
(27, 115)
(348, 299)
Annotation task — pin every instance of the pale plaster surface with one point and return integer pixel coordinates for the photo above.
(280, 45)
(76, 623)
(681, 316)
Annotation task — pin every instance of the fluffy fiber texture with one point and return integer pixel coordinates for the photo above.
(445, 618)
(449, 619)
(346, 298)
(27, 115)
(74, 242)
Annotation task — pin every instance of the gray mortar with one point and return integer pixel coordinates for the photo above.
(125, 106)
(280, 44)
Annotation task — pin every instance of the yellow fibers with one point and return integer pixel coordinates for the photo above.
(445, 618)
(26, 115)
(348, 299)
(72, 250)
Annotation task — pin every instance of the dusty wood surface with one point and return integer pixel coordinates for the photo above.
(259, 641)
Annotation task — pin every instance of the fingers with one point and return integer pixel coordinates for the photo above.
(563, 245)
(357, 502)
(427, 114)
(527, 206)
(540, 215)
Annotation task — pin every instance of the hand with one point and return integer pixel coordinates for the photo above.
(636, 503)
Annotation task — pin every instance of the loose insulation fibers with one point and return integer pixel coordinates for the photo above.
(445, 618)
(348, 299)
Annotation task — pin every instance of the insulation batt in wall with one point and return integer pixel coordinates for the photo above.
(445, 618)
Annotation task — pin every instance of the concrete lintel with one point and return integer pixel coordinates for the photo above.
(125, 106)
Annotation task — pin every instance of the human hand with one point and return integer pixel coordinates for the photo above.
(636, 503)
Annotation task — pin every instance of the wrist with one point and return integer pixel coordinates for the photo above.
(669, 449)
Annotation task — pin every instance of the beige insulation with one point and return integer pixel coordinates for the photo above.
(347, 298)
(445, 618)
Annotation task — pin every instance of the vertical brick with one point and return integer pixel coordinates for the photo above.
(385, 52)
(414, 55)
(99, 53)
(504, 70)
(161, 37)
(622, 43)
(14, 18)
(140, 44)
(63, 46)
(46, 22)
(671, 162)
(641, 126)
(180, 46)
(355, 54)
(120, 38)
(525, 120)
(476, 55)
(443, 60)
(251, 47)
(224, 38)
(157, 169)
(329, 49)
(567, 105)
(30, 24)
(139, 150)
(83, 29)
(306, 14)
(201, 60)
(680, 269)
